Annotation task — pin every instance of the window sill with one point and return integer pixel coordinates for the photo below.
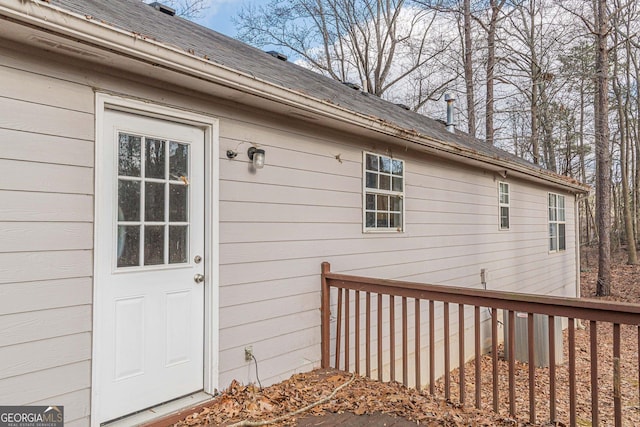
(382, 231)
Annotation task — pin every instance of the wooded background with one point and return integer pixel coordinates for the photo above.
(552, 81)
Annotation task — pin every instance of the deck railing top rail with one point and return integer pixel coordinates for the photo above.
(577, 308)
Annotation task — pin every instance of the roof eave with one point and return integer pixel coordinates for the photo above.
(104, 37)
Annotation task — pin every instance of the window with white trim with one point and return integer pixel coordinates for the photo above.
(503, 202)
(557, 223)
(383, 193)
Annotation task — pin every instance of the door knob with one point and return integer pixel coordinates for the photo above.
(198, 278)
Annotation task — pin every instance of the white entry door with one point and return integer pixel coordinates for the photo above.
(150, 275)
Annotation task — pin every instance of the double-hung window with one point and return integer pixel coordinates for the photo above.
(503, 201)
(557, 223)
(383, 193)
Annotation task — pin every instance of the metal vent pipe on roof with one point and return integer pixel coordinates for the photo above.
(276, 54)
(355, 86)
(163, 8)
(451, 125)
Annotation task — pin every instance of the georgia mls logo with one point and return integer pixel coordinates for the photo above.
(31, 416)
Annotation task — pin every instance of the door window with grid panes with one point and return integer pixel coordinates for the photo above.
(153, 201)
(383, 193)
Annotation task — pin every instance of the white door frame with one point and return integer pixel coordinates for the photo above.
(211, 309)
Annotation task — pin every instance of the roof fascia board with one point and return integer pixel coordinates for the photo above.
(91, 32)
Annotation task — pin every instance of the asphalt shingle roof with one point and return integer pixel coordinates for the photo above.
(138, 17)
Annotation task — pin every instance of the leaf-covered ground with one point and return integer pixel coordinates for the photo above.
(239, 403)
(360, 396)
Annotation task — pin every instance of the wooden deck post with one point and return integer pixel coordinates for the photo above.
(325, 312)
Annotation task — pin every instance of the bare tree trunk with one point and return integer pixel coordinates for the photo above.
(535, 143)
(636, 180)
(468, 70)
(491, 63)
(603, 157)
(626, 206)
(583, 169)
(547, 132)
(615, 221)
(535, 88)
(582, 150)
(632, 135)
(624, 170)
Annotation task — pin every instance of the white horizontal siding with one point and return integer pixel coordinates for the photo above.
(286, 194)
(277, 225)
(44, 89)
(287, 177)
(32, 266)
(46, 229)
(45, 177)
(272, 350)
(281, 367)
(240, 294)
(45, 236)
(44, 119)
(42, 295)
(41, 385)
(22, 145)
(60, 351)
(76, 406)
(50, 207)
(251, 313)
(276, 325)
(371, 244)
(82, 422)
(42, 324)
(260, 212)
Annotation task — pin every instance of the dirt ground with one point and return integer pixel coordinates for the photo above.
(359, 395)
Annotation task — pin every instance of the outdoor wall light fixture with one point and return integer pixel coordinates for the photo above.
(257, 157)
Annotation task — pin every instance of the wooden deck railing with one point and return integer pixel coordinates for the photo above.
(369, 297)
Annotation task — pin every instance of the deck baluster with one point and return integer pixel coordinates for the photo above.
(512, 363)
(494, 357)
(617, 396)
(572, 372)
(338, 327)
(532, 369)
(478, 356)
(417, 344)
(367, 334)
(432, 348)
(461, 353)
(405, 344)
(593, 338)
(392, 337)
(447, 353)
(357, 332)
(379, 330)
(552, 369)
(347, 334)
